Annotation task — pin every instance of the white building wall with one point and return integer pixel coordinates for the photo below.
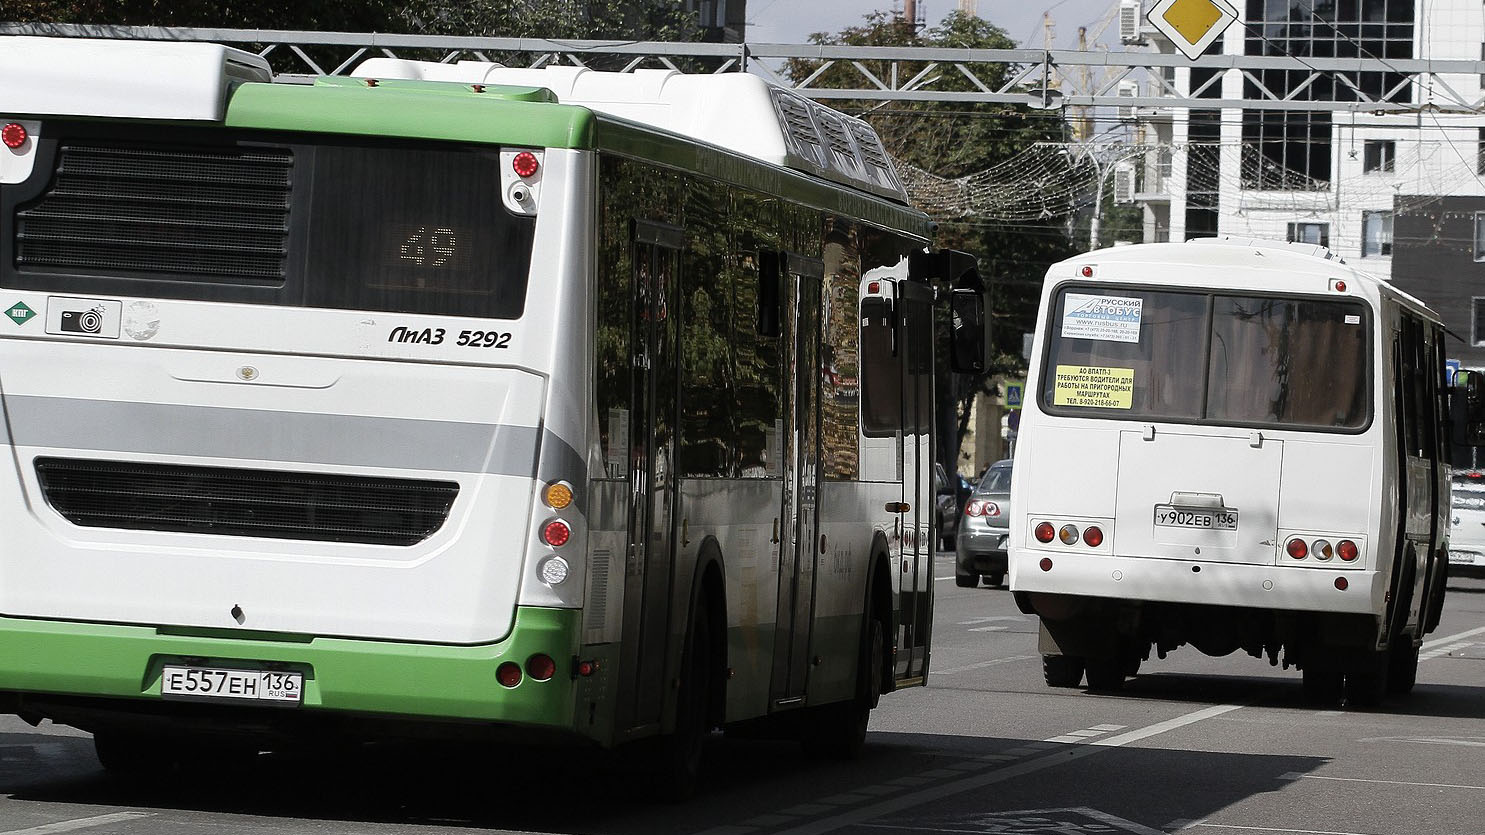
(1435, 152)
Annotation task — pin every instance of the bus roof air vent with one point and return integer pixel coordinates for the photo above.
(122, 79)
(736, 111)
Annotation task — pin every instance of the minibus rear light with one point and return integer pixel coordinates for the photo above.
(1297, 548)
(1342, 584)
(1068, 534)
(1347, 550)
(1321, 549)
(1093, 536)
(1046, 564)
(1045, 532)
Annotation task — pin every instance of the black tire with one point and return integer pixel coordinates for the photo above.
(1322, 684)
(1062, 670)
(1366, 681)
(131, 755)
(838, 731)
(995, 581)
(677, 756)
(966, 581)
(1402, 667)
(1105, 675)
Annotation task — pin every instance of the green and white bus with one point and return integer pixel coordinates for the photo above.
(456, 398)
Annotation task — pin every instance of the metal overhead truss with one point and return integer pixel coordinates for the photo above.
(1046, 78)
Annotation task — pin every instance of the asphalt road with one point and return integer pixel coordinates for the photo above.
(1199, 745)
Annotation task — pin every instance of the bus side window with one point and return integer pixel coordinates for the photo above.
(881, 370)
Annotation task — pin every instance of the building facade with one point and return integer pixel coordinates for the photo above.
(1399, 196)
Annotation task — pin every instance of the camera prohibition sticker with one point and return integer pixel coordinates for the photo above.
(98, 318)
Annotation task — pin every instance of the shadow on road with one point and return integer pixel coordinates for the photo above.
(768, 783)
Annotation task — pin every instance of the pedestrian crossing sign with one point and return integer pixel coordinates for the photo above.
(1013, 394)
(1192, 25)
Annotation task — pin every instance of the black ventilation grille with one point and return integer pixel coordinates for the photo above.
(232, 502)
(209, 214)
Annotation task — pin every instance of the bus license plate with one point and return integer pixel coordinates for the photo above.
(214, 683)
(1169, 516)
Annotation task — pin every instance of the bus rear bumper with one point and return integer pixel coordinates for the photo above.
(1277, 588)
(61, 670)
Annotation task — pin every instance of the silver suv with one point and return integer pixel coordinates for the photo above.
(984, 528)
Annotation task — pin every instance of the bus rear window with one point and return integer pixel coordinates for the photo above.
(1143, 354)
(305, 221)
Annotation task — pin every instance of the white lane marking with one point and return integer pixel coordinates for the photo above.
(1467, 741)
(1449, 639)
(967, 667)
(1295, 775)
(1038, 819)
(973, 621)
(78, 823)
(1277, 829)
(1444, 650)
(988, 629)
(1167, 725)
(979, 781)
(1075, 737)
(1182, 823)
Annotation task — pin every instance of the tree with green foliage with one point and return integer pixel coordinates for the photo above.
(954, 140)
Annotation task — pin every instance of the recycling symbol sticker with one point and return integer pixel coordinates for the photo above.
(19, 313)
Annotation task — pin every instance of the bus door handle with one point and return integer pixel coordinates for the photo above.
(1255, 439)
(685, 531)
(775, 539)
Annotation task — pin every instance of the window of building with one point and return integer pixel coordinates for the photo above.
(1376, 234)
(1311, 233)
(1477, 318)
(1292, 150)
(1377, 155)
(1480, 236)
(1480, 152)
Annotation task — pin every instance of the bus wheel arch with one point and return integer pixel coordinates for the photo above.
(709, 591)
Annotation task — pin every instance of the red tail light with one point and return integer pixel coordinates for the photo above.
(1341, 584)
(13, 135)
(541, 667)
(556, 533)
(508, 674)
(1045, 532)
(1093, 536)
(1297, 548)
(1046, 564)
(1347, 550)
(525, 164)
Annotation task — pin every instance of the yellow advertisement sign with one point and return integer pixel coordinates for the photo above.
(1100, 388)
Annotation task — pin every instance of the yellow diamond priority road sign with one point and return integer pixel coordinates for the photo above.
(1192, 25)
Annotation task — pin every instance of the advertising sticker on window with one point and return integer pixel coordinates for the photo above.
(1099, 388)
(1113, 318)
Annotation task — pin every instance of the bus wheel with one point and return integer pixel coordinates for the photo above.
(1322, 684)
(1402, 667)
(1062, 670)
(678, 755)
(1366, 682)
(1106, 674)
(839, 731)
(132, 755)
(966, 581)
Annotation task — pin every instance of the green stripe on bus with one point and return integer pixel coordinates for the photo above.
(378, 677)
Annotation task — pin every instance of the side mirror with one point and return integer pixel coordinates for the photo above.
(967, 327)
(1473, 383)
(1467, 409)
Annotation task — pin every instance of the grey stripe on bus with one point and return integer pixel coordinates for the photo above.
(253, 434)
